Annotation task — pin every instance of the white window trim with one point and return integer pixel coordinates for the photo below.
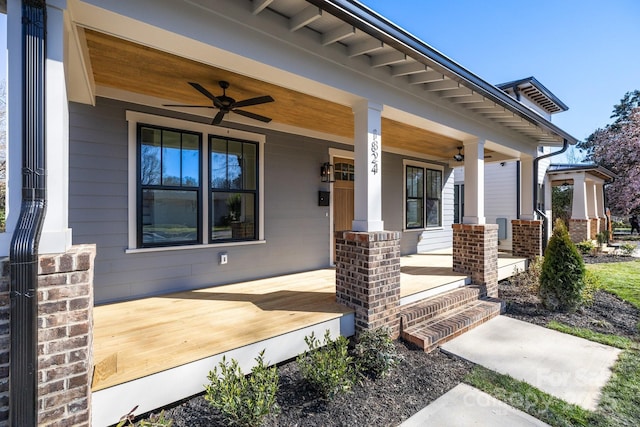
(135, 117)
(432, 166)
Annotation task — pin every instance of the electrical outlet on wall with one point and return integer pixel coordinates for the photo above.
(224, 258)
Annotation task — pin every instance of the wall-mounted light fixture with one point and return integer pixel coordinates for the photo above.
(326, 172)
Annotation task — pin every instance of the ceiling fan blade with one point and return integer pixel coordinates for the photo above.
(218, 118)
(253, 101)
(188, 106)
(252, 115)
(206, 93)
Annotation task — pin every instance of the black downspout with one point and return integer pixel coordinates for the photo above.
(543, 215)
(23, 366)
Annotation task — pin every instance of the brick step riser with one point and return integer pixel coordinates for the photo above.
(429, 309)
(461, 325)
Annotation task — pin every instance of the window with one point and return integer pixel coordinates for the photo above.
(423, 197)
(415, 197)
(344, 172)
(233, 166)
(192, 184)
(458, 203)
(169, 187)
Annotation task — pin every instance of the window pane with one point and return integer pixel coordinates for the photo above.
(190, 160)
(169, 216)
(434, 183)
(171, 158)
(433, 212)
(233, 216)
(234, 165)
(414, 213)
(415, 183)
(250, 161)
(150, 146)
(219, 163)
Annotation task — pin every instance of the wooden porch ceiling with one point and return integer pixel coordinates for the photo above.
(131, 67)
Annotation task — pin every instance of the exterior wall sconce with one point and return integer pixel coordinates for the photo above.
(326, 172)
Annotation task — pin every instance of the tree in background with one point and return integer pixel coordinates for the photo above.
(561, 203)
(617, 148)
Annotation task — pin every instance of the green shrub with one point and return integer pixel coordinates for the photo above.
(153, 421)
(591, 285)
(529, 279)
(375, 353)
(627, 248)
(562, 277)
(586, 247)
(329, 369)
(243, 400)
(602, 237)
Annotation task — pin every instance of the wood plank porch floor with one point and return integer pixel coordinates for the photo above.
(138, 338)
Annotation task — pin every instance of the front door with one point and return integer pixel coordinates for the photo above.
(343, 194)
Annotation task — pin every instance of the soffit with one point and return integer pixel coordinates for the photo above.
(416, 71)
(138, 69)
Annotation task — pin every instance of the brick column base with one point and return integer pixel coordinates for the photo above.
(594, 227)
(579, 230)
(475, 253)
(65, 344)
(527, 238)
(368, 277)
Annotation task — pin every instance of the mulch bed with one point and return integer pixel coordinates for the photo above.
(419, 379)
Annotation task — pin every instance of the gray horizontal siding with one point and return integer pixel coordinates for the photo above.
(393, 209)
(296, 229)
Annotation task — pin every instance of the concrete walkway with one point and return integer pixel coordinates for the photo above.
(564, 366)
(467, 406)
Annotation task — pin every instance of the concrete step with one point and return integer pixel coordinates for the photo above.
(421, 311)
(431, 333)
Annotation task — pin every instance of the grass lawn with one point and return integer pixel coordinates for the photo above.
(620, 401)
(621, 279)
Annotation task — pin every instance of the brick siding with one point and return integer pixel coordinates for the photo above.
(368, 277)
(579, 230)
(65, 323)
(527, 238)
(475, 253)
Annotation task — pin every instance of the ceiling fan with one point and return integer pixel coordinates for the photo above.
(459, 156)
(226, 104)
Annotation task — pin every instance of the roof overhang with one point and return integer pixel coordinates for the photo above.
(368, 21)
(536, 91)
(558, 170)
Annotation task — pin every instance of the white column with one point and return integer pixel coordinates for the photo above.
(474, 182)
(526, 188)
(56, 235)
(368, 167)
(548, 205)
(592, 210)
(579, 208)
(600, 209)
(14, 122)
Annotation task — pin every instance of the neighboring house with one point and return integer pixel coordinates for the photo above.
(503, 199)
(589, 213)
(333, 143)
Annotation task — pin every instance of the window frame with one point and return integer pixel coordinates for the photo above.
(425, 167)
(163, 187)
(133, 119)
(211, 190)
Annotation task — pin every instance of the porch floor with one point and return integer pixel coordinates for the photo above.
(138, 338)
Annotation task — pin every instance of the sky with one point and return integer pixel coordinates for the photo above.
(583, 51)
(586, 52)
